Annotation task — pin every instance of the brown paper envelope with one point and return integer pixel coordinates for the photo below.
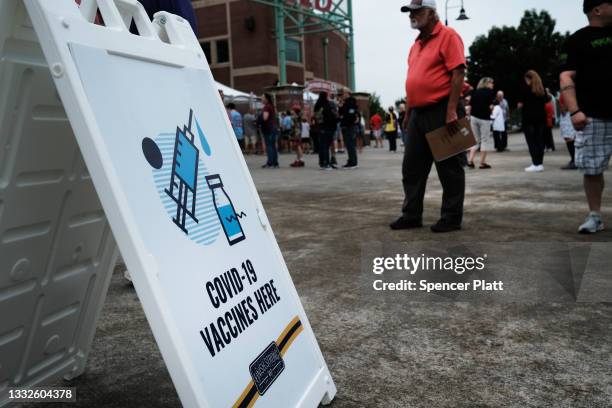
(443, 145)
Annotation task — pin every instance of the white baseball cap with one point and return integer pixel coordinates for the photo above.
(419, 4)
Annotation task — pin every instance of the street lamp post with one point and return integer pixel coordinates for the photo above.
(462, 14)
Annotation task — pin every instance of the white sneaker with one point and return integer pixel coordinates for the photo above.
(592, 224)
(534, 169)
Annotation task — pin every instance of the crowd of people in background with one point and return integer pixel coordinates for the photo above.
(437, 96)
(336, 126)
(540, 111)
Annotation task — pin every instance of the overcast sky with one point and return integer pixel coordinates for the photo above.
(383, 35)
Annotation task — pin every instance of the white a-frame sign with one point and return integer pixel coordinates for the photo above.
(152, 135)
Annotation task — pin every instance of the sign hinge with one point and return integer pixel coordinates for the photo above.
(262, 219)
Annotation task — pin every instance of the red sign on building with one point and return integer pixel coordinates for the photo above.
(321, 5)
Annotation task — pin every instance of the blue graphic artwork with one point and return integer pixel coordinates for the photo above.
(184, 175)
(226, 211)
(152, 153)
(186, 160)
(194, 206)
(203, 141)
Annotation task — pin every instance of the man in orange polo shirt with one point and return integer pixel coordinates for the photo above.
(436, 71)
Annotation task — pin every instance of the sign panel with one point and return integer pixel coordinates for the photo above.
(320, 5)
(184, 210)
(321, 86)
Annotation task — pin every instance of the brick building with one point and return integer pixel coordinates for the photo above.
(237, 37)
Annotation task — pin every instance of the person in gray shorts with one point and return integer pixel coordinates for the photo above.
(250, 131)
(586, 88)
(482, 105)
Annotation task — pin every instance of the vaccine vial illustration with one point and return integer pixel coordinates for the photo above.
(230, 220)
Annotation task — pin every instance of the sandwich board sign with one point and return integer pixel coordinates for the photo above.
(170, 178)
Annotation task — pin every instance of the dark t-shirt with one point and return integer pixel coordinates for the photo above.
(400, 119)
(533, 106)
(348, 112)
(268, 125)
(589, 52)
(481, 102)
(329, 115)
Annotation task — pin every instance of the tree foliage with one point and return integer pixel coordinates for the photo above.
(375, 105)
(506, 53)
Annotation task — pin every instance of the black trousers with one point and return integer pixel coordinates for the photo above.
(501, 140)
(417, 166)
(392, 137)
(348, 134)
(536, 140)
(549, 140)
(326, 138)
(315, 141)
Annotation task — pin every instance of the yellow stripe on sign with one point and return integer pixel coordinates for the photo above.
(289, 326)
(249, 396)
(253, 401)
(291, 340)
(244, 394)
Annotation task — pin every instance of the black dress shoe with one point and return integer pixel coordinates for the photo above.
(442, 226)
(569, 166)
(403, 223)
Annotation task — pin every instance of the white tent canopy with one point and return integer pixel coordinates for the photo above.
(310, 96)
(227, 91)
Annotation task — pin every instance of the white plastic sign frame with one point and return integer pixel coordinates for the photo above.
(57, 251)
(234, 283)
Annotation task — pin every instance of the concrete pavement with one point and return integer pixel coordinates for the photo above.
(401, 354)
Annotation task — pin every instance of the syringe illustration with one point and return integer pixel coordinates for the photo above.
(230, 220)
(184, 175)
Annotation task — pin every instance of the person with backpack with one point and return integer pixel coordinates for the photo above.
(391, 128)
(327, 119)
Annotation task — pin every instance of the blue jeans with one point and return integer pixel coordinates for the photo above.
(404, 136)
(272, 153)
